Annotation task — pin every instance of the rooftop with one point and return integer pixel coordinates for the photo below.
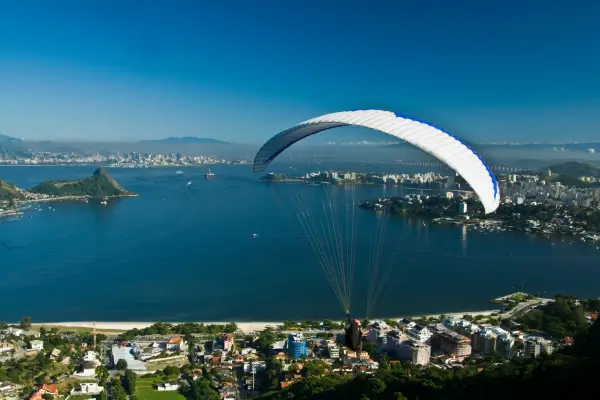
(441, 330)
(296, 337)
(124, 353)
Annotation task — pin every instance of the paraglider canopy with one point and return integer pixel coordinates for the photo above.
(447, 148)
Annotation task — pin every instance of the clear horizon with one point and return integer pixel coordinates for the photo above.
(108, 71)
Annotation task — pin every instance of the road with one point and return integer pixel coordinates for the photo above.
(524, 307)
(313, 332)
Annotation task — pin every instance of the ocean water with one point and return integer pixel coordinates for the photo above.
(180, 253)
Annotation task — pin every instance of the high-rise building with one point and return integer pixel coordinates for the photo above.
(505, 345)
(334, 351)
(296, 345)
(450, 342)
(536, 346)
(484, 342)
(416, 352)
(493, 340)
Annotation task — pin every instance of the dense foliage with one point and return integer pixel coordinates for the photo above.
(563, 317)
(118, 391)
(574, 168)
(129, 383)
(121, 364)
(327, 324)
(187, 328)
(274, 177)
(9, 191)
(565, 374)
(100, 184)
(202, 390)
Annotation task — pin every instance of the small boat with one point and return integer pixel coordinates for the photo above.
(179, 172)
(189, 183)
(255, 235)
(104, 202)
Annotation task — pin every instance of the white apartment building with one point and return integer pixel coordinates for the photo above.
(536, 346)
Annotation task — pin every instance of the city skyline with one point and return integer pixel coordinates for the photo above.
(104, 71)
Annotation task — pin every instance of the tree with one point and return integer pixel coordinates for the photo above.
(230, 328)
(25, 323)
(121, 364)
(130, 381)
(118, 392)
(171, 370)
(201, 390)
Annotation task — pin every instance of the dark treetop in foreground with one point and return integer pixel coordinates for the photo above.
(100, 184)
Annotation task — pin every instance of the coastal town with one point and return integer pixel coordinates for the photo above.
(530, 202)
(233, 361)
(119, 160)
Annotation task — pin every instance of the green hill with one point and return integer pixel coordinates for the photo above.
(9, 191)
(568, 174)
(273, 177)
(575, 169)
(100, 184)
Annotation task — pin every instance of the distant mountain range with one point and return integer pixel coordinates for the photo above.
(186, 140)
(561, 147)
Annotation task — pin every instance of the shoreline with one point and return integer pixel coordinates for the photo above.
(246, 326)
(77, 198)
(108, 166)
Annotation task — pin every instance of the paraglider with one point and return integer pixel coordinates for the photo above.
(353, 335)
(332, 241)
(445, 147)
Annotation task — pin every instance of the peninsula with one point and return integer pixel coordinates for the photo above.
(100, 185)
(548, 202)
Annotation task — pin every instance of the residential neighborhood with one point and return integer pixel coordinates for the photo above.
(186, 358)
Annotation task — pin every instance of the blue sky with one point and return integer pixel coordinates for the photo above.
(243, 70)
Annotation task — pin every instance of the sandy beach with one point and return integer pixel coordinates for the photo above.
(245, 327)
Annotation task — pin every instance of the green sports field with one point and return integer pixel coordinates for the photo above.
(145, 391)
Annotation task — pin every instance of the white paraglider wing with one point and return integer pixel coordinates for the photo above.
(447, 148)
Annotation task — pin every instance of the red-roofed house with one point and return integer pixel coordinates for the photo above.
(285, 384)
(45, 389)
(50, 389)
(36, 396)
(176, 344)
